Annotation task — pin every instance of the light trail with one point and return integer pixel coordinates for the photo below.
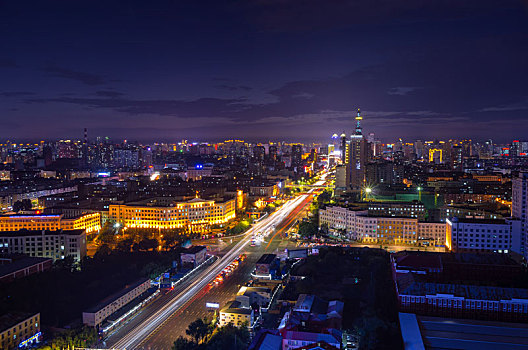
(140, 333)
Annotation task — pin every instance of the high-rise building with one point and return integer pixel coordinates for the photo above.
(520, 206)
(357, 156)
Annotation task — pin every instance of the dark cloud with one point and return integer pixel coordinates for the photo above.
(233, 87)
(83, 77)
(16, 93)
(203, 107)
(7, 63)
(310, 15)
(111, 94)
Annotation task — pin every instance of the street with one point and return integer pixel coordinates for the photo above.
(167, 318)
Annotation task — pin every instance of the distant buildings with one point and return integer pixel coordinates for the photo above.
(46, 244)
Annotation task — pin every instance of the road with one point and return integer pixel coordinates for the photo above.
(144, 327)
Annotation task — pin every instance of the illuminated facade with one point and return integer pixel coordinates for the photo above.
(196, 214)
(359, 226)
(45, 244)
(89, 222)
(19, 330)
(433, 152)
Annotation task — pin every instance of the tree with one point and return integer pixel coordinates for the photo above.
(198, 330)
(148, 244)
(307, 229)
(17, 206)
(230, 337)
(125, 245)
(183, 344)
(103, 250)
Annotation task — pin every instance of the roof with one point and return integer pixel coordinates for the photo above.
(233, 307)
(113, 297)
(266, 259)
(318, 346)
(431, 261)
(448, 333)
(13, 318)
(20, 264)
(266, 339)
(479, 221)
(25, 233)
(412, 338)
(194, 249)
(408, 285)
(312, 337)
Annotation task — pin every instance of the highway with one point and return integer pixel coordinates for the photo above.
(134, 334)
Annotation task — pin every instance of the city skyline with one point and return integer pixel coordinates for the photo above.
(260, 70)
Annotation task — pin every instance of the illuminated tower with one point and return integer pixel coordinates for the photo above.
(357, 157)
(359, 130)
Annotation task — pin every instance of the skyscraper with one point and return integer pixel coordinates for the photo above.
(520, 206)
(357, 157)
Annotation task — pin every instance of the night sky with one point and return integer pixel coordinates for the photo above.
(263, 69)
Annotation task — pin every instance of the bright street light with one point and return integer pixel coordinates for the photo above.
(368, 189)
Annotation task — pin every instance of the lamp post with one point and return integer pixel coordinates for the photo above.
(419, 193)
(368, 190)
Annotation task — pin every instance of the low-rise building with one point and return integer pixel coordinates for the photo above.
(235, 314)
(295, 339)
(193, 256)
(46, 244)
(96, 315)
(20, 267)
(254, 295)
(430, 284)
(19, 330)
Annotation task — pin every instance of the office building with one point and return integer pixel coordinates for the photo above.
(45, 244)
(520, 207)
(357, 157)
(412, 209)
(19, 330)
(358, 225)
(51, 222)
(196, 215)
(494, 235)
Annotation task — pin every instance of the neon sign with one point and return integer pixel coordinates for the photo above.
(30, 340)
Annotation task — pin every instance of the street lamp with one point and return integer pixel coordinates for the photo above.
(419, 193)
(367, 191)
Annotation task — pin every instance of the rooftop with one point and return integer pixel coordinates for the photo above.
(194, 249)
(110, 299)
(26, 233)
(479, 221)
(233, 307)
(410, 284)
(20, 264)
(448, 333)
(13, 318)
(266, 259)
